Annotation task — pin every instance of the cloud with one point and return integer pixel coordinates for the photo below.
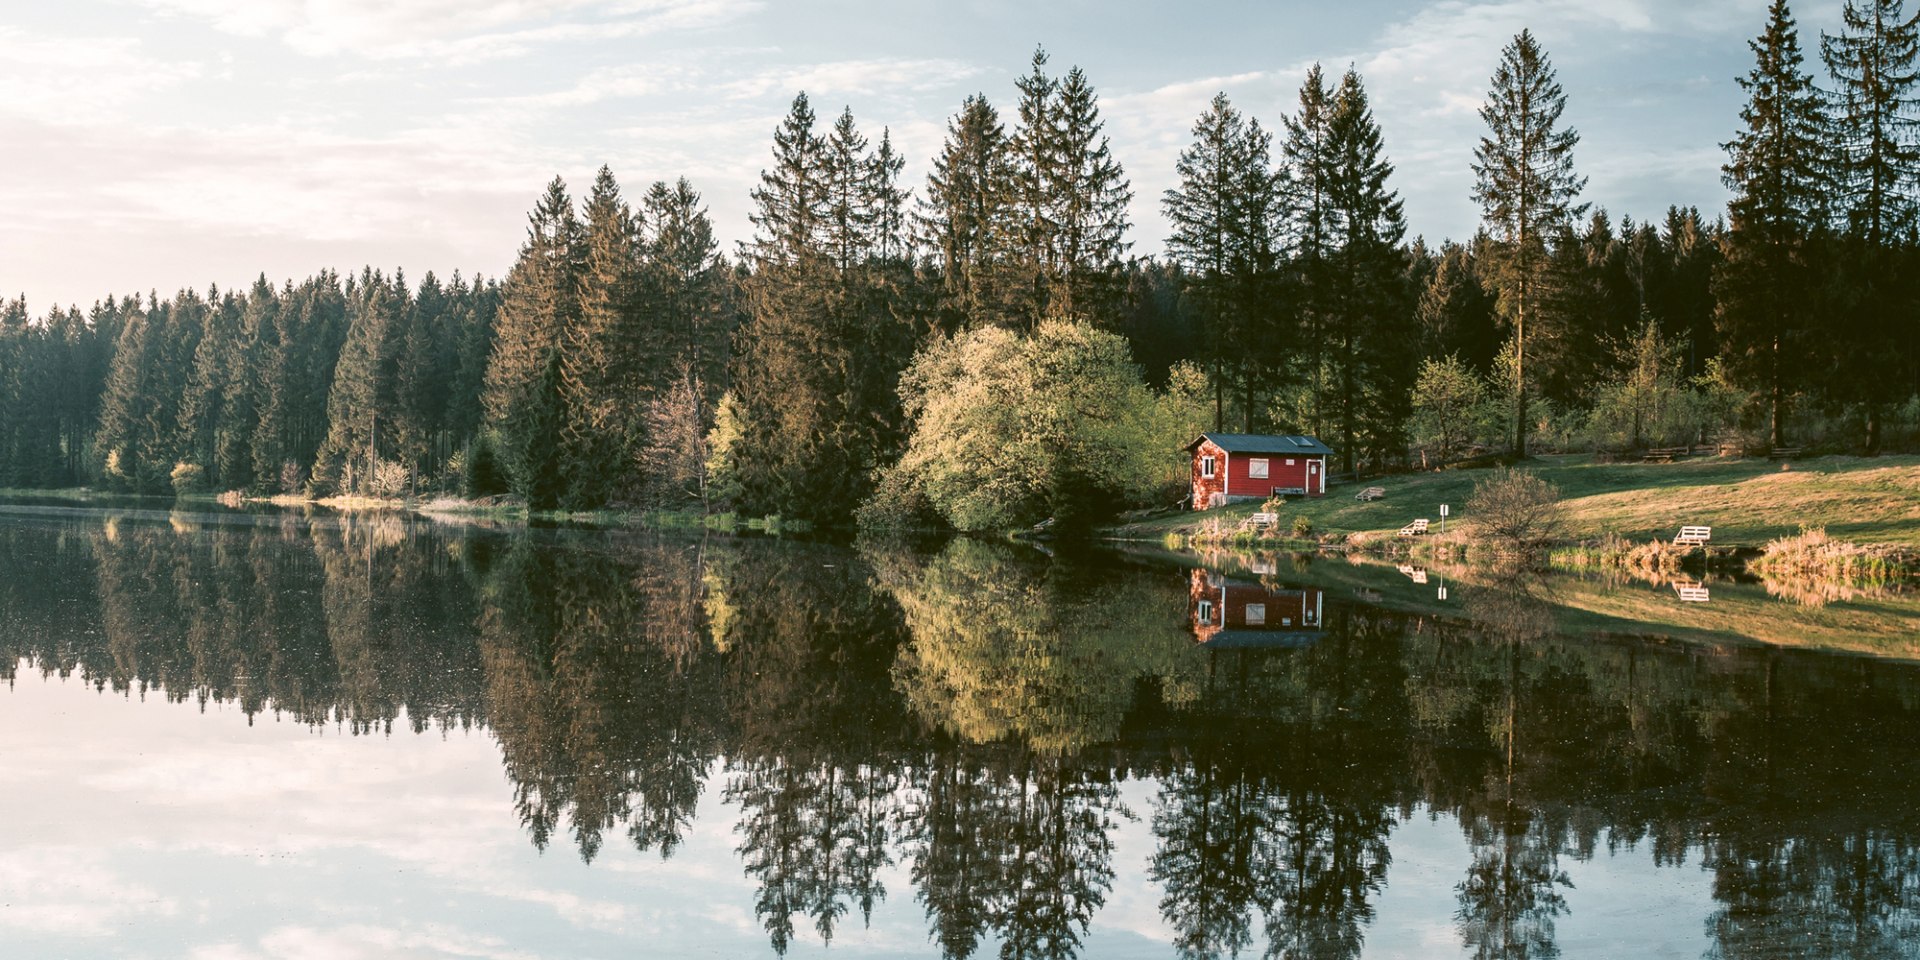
(71, 891)
(77, 80)
(449, 31)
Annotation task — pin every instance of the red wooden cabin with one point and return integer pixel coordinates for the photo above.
(1239, 613)
(1229, 467)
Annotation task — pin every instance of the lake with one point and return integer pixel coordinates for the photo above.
(233, 736)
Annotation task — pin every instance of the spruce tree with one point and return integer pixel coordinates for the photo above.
(1090, 199)
(1370, 312)
(1873, 64)
(1876, 170)
(963, 217)
(887, 203)
(791, 201)
(539, 301)
(1777, 166)
(849, 212)
(602, 383)
(1309, 165)
(1032, 226)
(1526, 186)
(687, 288)
(1223, 214)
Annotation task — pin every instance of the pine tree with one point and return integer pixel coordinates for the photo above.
(1877, 168)
(1370, 311)
(887, 203)
(963, 218)
(1223, 214)
(539, 301)
(1032, 227)
(1873, 63)
(1090, 198)
(1526, 187)
(687, 288)
(850, 214)
(362, 393)
(603, 386)
(1309, 164)
(1777, 169)
(791, 201)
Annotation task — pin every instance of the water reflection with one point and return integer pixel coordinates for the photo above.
(967, 718)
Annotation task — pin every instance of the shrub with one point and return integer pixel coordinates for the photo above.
(188, 478)
(1515, 511)
(389, 478)
(484, 476)
(1302, 527)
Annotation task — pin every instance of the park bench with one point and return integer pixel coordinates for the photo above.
(1261, 521)
(1784, 453)
(1663, 454)
(1414, 529)
(1692, 591)
(1371, 494)
(1693, 536)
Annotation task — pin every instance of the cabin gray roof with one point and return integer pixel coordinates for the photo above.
(1263, 443)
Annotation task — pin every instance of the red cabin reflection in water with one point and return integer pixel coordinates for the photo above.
(1242, 613)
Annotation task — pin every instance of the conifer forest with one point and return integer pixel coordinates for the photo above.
(989, 348)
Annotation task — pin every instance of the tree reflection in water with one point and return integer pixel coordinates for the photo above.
(970, 714)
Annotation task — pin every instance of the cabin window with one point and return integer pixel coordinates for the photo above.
(1206, 466)
(1289, 462)
(1257, 469)
(1256, 614)
(1205, 611)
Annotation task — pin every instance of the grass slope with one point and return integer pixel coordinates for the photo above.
(1747, 502)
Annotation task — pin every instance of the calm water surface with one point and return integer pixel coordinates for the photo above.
(283, 736)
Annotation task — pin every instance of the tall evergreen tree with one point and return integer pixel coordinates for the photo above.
(1370, 310)
(1309, 164)
(687, 288)
(1090, 201)
(539, 302)
(1032, 227)
(1777, 168)
(963, 217)
(1526, 187)
(602, 377)
(1223, 214)
(1873, 65)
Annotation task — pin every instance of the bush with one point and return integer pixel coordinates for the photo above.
(189, 478)
(389, 478)
(1516, 512)
(1302, 527)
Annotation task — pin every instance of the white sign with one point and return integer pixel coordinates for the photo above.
(1443, 509)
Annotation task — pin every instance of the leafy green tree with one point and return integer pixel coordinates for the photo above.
(1777, 167)
(1447, 402)
(1526, 186)
(1008, 430)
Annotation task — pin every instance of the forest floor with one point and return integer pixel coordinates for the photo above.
(1746, 502)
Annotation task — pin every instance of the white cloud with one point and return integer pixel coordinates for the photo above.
(71, 891)
(449, 31)
(74, 80)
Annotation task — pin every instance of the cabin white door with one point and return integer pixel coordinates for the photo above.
(1316, 481)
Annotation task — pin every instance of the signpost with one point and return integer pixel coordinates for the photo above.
(1443, 518)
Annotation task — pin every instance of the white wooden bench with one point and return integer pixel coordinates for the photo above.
(1693, 536)
(1414, 529)
(1261, 521)
(1692, 591)
(1371, 494)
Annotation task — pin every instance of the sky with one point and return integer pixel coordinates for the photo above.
(161, 144)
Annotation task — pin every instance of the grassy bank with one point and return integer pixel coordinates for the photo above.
(1748, 503)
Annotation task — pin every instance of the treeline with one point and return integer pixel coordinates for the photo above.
(938, 347)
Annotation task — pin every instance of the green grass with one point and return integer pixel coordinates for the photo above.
(1747, 502)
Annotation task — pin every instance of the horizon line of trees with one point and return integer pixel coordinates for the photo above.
(625, 360)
